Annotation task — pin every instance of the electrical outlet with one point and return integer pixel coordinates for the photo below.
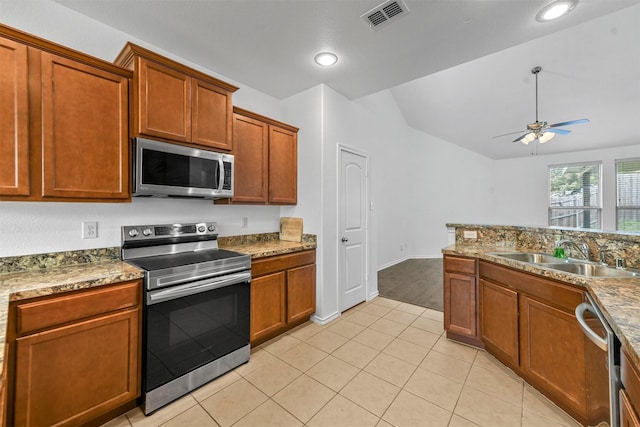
(244, 223)
(90, 230)
(470, 234)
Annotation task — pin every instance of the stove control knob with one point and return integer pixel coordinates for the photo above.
(133, 232)
(147, 232)
(202, 229)
(212, 227)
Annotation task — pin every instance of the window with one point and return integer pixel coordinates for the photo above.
(575, 196)
(628, 195)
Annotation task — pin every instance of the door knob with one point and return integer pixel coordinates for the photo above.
(344, 239)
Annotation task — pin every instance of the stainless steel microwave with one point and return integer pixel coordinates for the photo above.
(161, 169)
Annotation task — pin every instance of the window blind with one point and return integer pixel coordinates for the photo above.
(628, 194)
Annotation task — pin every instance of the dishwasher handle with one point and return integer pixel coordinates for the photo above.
(595, 338)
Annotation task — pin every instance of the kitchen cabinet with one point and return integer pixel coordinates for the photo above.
(283, 292)
(74, 358)
(460, 299)
(174, 102)
(266, 160)
(14, 119)
(499, 321)
(528, 323)
(64, 120)
(630, 393)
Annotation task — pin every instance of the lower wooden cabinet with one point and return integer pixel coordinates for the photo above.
(283, 293)
(630, 394)
(75, 358)
(460, 299)
(528, 323)
(499, 321)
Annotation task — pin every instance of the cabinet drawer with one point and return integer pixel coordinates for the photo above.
(454, 264)
(630, 380)
(263, 266)
(46, 313)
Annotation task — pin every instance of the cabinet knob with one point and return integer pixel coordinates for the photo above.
(344, 239)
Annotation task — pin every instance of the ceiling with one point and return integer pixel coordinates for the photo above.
(458, 69)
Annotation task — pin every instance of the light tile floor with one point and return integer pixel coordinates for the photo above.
(382, 363)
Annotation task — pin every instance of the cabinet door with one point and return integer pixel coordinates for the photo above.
(628, 416)
(72, 374)
(268, 305)
(211, 116)
(251, 156)
(14, 119)
(163, 102)
(301, 293)
(283, 166)
(499, 321)
(552, 348)
(460, 304)
(84, 131)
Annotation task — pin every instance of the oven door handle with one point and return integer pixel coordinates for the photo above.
(155, 297)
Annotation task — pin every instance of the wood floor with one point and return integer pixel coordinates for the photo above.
(414, 281)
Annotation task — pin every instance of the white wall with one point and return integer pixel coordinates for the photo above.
(522, 185)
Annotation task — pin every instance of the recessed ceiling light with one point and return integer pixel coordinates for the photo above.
(326, 59)
(555, 10)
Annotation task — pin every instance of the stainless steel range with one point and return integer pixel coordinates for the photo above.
(196, 307)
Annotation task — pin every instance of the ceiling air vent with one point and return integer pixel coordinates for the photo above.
(385, 13)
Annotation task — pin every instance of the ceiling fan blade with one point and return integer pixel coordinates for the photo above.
(521, 137)
(572, 122)
(505, 134)
(559, 131)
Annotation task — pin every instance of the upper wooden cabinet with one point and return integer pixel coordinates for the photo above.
(64, 123)
(174, 102)
(14, 119)
(266, 160)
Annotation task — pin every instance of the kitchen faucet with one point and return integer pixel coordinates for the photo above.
(582, 249)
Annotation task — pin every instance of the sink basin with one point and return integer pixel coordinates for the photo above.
(574, 266)
(530, 257)
(591, 270)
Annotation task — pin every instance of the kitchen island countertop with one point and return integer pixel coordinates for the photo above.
(618, 298)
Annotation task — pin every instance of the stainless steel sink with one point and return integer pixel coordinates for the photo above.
(530, 257)
(569, 265)
(592, 270)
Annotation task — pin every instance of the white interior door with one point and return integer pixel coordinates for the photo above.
(352, 228)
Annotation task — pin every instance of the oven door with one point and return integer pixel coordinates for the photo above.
(188, 326)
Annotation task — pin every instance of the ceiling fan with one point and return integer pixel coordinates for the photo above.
(542, 131)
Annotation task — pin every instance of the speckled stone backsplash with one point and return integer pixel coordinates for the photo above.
(612, 244)
(57, 259)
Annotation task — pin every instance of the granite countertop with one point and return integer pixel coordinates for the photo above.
(618, 298)
(57, 279)
(265, 245)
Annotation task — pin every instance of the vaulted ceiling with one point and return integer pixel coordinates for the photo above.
(458, 69)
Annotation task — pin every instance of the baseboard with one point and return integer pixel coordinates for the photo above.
(324, 320)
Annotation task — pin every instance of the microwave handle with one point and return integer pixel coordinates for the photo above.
(220, 174)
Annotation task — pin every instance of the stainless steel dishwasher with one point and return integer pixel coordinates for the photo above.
(606, 341)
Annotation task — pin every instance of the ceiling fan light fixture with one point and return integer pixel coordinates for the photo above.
(545, 137)
(555, 10)
(528, 138)
(326, 59)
